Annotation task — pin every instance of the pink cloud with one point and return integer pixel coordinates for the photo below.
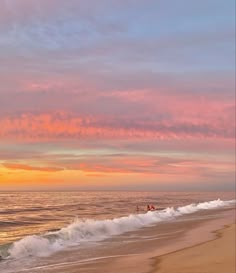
(183, 121)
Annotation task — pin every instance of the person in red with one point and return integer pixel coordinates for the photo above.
(152, 207)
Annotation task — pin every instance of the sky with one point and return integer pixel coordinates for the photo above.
(117, 95)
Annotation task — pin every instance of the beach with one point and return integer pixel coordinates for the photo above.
(216, 256)
(177, 239)
(199, 246)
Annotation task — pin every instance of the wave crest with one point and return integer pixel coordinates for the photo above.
(97, 230)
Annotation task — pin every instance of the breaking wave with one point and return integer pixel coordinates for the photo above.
(96, 230)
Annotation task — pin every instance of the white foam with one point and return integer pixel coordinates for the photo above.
(34, 246)
(97, 230)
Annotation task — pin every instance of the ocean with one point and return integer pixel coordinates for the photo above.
(37, 227)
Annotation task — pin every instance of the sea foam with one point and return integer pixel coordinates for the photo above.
(96, 230)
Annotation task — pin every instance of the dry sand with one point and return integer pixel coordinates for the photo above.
(216, 256)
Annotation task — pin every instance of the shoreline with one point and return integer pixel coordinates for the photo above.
(113, 257)
(197, 233)
(214, 256)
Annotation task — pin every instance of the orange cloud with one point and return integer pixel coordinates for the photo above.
(15, 166)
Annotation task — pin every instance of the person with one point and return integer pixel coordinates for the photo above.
(152, 207)
(148, 207)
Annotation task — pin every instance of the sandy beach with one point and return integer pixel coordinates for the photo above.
(216, 256)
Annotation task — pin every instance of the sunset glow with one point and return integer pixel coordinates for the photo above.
(123, 95)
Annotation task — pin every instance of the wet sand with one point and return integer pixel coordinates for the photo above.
(216, 256)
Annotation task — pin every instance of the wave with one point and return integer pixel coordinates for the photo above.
(96, 230)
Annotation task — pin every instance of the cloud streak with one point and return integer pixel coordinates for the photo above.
(63, 125)
(17, 166)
